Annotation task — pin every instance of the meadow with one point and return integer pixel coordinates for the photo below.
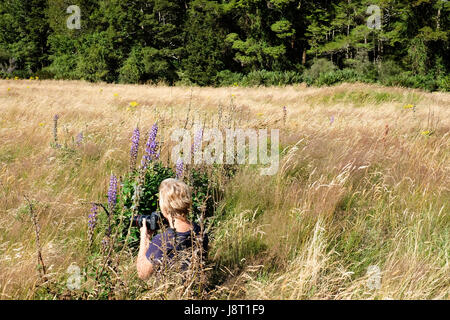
(363, 187)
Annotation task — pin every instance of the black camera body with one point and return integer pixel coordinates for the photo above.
(154, 221)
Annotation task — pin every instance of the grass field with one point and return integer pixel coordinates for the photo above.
(363, 185)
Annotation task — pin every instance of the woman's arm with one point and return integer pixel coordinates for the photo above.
(144, 266)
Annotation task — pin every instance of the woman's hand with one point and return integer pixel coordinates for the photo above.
(144, 266)
(144, 231)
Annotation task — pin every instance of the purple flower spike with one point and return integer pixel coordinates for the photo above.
(92, 222)
(105, 243)
(79, 139)
(55, 131)
(112, 193)
(179, 169)
(197, 141)
(134, 148)
(331, 119)
(151, 151)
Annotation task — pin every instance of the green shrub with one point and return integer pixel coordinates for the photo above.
(197, 178)
(64, 67)
(426, 82)
(184, 80)
(63, 60)
(258, 78)
(92, 66)
(45, 74)
(146, 65)
(148, 202)
(132, 70)
(319, 66)
(388, 69)
(227, 78)
(21, 74)
(333, 77)
(274, 78)
(254, 78)
(365, 69)
(157, 66)
(444, 83)
(96, 59)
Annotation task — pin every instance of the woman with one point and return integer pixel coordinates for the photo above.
(175, 203)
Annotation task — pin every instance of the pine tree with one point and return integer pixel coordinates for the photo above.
(204, 42)
(23, 33)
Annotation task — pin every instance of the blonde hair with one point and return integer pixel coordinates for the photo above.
(175, 198)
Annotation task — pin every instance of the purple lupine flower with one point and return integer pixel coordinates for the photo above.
(179, 169)
(79, 139)
(112, 193)
(134, 148)
(151, 147)
(92, 222)
(55, 130)
(331, 119)
(105, 243)
(197, 141)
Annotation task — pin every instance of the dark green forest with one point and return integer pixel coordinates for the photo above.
(229, 42)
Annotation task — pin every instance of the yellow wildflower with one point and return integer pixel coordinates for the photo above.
(41, 124)
(116, 94)
(31, 78)
(426, 132)
(37, 78)
(16, 78)
(134, 104)
(260, 114)
(408, 106)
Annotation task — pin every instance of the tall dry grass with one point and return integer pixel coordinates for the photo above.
(368, 188)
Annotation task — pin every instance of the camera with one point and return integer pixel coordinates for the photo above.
(154, 221)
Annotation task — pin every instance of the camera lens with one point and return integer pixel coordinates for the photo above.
(153, 221)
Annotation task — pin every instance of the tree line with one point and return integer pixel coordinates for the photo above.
(244, 42)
